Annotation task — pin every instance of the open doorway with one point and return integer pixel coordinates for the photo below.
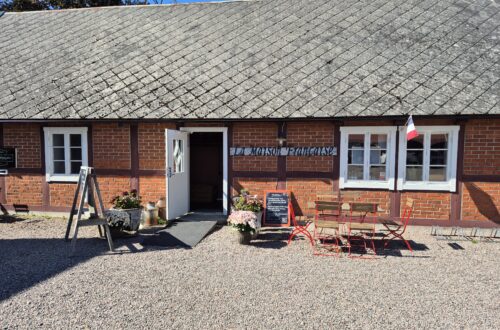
(206, 171)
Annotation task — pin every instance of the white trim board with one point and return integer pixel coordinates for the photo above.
(225, 159)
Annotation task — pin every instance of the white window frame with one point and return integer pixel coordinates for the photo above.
(452, 155)
(49, 163)
(391, 156)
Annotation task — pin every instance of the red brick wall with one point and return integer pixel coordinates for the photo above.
(428, 205)
(379, 197)
(24, 189)
(305, 191)
(152, 145)
(111, 145)
(482, 147)
(255, 186)
(255, 135)
(152, 188)
(61, 194)
(111, 186)
(312, 134)
(26, 138)
(481, 201)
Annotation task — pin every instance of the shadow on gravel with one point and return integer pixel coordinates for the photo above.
(27, 262)
(11, 218)
(270, 238)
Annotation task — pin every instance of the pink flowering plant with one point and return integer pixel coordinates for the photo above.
(243, 221)
(127, 200)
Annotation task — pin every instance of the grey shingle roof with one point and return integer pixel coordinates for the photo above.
(260, 59)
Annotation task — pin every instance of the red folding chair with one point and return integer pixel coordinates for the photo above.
(396, 227)
(299, 228)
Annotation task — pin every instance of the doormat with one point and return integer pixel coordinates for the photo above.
(182, 233)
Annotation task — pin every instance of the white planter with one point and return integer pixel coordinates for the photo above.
(259, 224)
(124, 219)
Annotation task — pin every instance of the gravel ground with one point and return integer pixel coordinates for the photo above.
(220, 284)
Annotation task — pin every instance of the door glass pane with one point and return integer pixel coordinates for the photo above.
(59, 167)
(58, 153)
(414, 173)
(75, 167)
(377, 173)
(76, 153)
(355, 172)
(75, 140)
(178, 156)
(58, 140)
(437, 173)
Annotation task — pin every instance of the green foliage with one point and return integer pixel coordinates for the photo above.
(245, 202)
(127, 200)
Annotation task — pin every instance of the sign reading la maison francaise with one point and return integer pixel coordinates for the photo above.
(283, 151)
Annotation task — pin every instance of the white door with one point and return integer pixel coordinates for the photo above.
(177, 145)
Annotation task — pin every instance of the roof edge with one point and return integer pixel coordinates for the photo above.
(127, 6)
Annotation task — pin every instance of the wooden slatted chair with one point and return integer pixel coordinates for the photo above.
(360, 232)
(396, 227)
(327, 226)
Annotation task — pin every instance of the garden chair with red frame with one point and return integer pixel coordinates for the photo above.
(300, 227)
(359, 231)
(396, 227)
(327, 226)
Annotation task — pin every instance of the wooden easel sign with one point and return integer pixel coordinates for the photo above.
(277, 208)
(87, 183)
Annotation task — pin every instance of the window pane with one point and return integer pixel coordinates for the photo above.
(416, 143)
(178, 156)
(414, 173)
(378, 156)
(75, 167)
(378, 141)
(438, 157)
(58, 140)
(377, 173)
(355, 157)
(437, 173)
(439, 141)
(354, 172)
(75, 140)
(59, 167)
(58, 153)
(356, 141)
(76, 153)
(414, 157)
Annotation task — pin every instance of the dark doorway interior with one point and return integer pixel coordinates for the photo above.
(206, 171)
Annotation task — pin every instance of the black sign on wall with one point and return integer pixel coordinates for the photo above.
(277, 211)
(8, 158)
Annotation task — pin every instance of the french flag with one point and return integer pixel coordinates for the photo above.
(411, 131)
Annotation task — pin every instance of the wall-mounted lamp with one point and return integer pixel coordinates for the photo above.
(281, 141)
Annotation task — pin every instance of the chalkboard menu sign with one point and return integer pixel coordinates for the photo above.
(277, 208)
(7, 158)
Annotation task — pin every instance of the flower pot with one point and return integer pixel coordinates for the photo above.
(244, 237)
(259, 224)
(124, 219)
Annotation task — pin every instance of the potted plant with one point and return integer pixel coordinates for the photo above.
(245, 222)
(125, 215)
(251, 203)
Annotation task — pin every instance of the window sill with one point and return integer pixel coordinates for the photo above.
(367, 184)
(428, 186)
(62, 178)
